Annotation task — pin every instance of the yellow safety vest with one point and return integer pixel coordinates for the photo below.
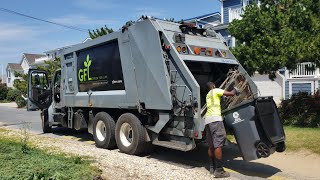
(213, 102)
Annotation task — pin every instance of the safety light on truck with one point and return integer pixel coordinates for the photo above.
(218, 53)
(196, 134)
(209, 52)
(184, 49)
(179, 49)
(196, 50)
(224, 53)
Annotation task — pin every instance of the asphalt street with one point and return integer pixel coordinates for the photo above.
(14, 118)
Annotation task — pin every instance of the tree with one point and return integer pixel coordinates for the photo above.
(172, 20)
(21, 83)
(50, 67)
(100, 32)
(3, 91)
(279, 33)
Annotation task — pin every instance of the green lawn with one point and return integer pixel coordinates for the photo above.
(38, 164)
(299, 139)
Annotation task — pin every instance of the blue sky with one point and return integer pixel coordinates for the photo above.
(19, 34)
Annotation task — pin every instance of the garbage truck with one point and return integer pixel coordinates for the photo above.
(145, 85)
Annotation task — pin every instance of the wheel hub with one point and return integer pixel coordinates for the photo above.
(101, 130)
(126, 134)
(263, 150)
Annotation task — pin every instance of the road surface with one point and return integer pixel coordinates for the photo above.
(13, 117)
(274, 167)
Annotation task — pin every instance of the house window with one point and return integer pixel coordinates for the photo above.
(247, 2)
(9, 79)
(301, 87)
(8, 73)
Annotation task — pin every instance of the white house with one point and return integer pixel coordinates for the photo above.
(11, 69)
(23, 67)
(32, 61)
(200, 21)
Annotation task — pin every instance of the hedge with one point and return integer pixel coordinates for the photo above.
(301, 110)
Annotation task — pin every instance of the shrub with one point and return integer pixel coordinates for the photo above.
(21, 102)
(3, 91)
(13, 94)
(301, 110)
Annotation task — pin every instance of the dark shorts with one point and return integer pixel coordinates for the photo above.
(216, 134)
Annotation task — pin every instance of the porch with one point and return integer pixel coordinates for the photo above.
(305, 70)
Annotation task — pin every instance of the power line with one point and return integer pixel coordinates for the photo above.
(43, 20)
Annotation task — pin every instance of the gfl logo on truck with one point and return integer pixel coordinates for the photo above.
(84, 74)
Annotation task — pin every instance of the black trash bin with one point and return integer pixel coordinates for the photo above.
(257, 127)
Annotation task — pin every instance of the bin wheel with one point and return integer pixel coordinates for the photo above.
(46, 128)
(130, 134)
(281, 147)
(103, 131)
(263, 150)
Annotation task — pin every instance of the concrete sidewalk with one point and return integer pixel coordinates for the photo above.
(10, 105)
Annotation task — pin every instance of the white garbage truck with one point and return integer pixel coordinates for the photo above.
(145, 85)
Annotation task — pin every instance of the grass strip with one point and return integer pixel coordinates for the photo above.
(16, 162)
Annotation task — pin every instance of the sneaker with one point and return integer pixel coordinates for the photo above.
(212, 166)
(221, 173)
(212, 170)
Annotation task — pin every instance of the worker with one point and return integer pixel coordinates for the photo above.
(215, 131)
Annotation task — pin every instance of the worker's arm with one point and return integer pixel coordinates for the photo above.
(235, 91)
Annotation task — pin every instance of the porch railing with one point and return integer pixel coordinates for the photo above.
(306, 69)
(235, 13)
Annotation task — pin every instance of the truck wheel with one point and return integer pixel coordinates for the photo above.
(46, 128)
(103, 131)
(130, 134)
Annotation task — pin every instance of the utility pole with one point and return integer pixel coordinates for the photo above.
(2, 73)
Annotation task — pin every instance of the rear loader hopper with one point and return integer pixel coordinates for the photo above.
(146, 85)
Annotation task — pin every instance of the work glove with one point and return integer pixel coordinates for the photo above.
(237, 91)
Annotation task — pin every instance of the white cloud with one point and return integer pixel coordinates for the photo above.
(17, 32)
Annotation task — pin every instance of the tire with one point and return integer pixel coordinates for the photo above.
(130, 135)
(103, 131)
(46, 128)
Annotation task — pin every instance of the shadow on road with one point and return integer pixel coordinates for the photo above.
(199, 158)
(195, 158)
(81, 135)
(234, 161)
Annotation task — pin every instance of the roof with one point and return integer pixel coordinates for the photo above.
(204, 16)
(221, 26)
(31, 57)
(15, 66)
